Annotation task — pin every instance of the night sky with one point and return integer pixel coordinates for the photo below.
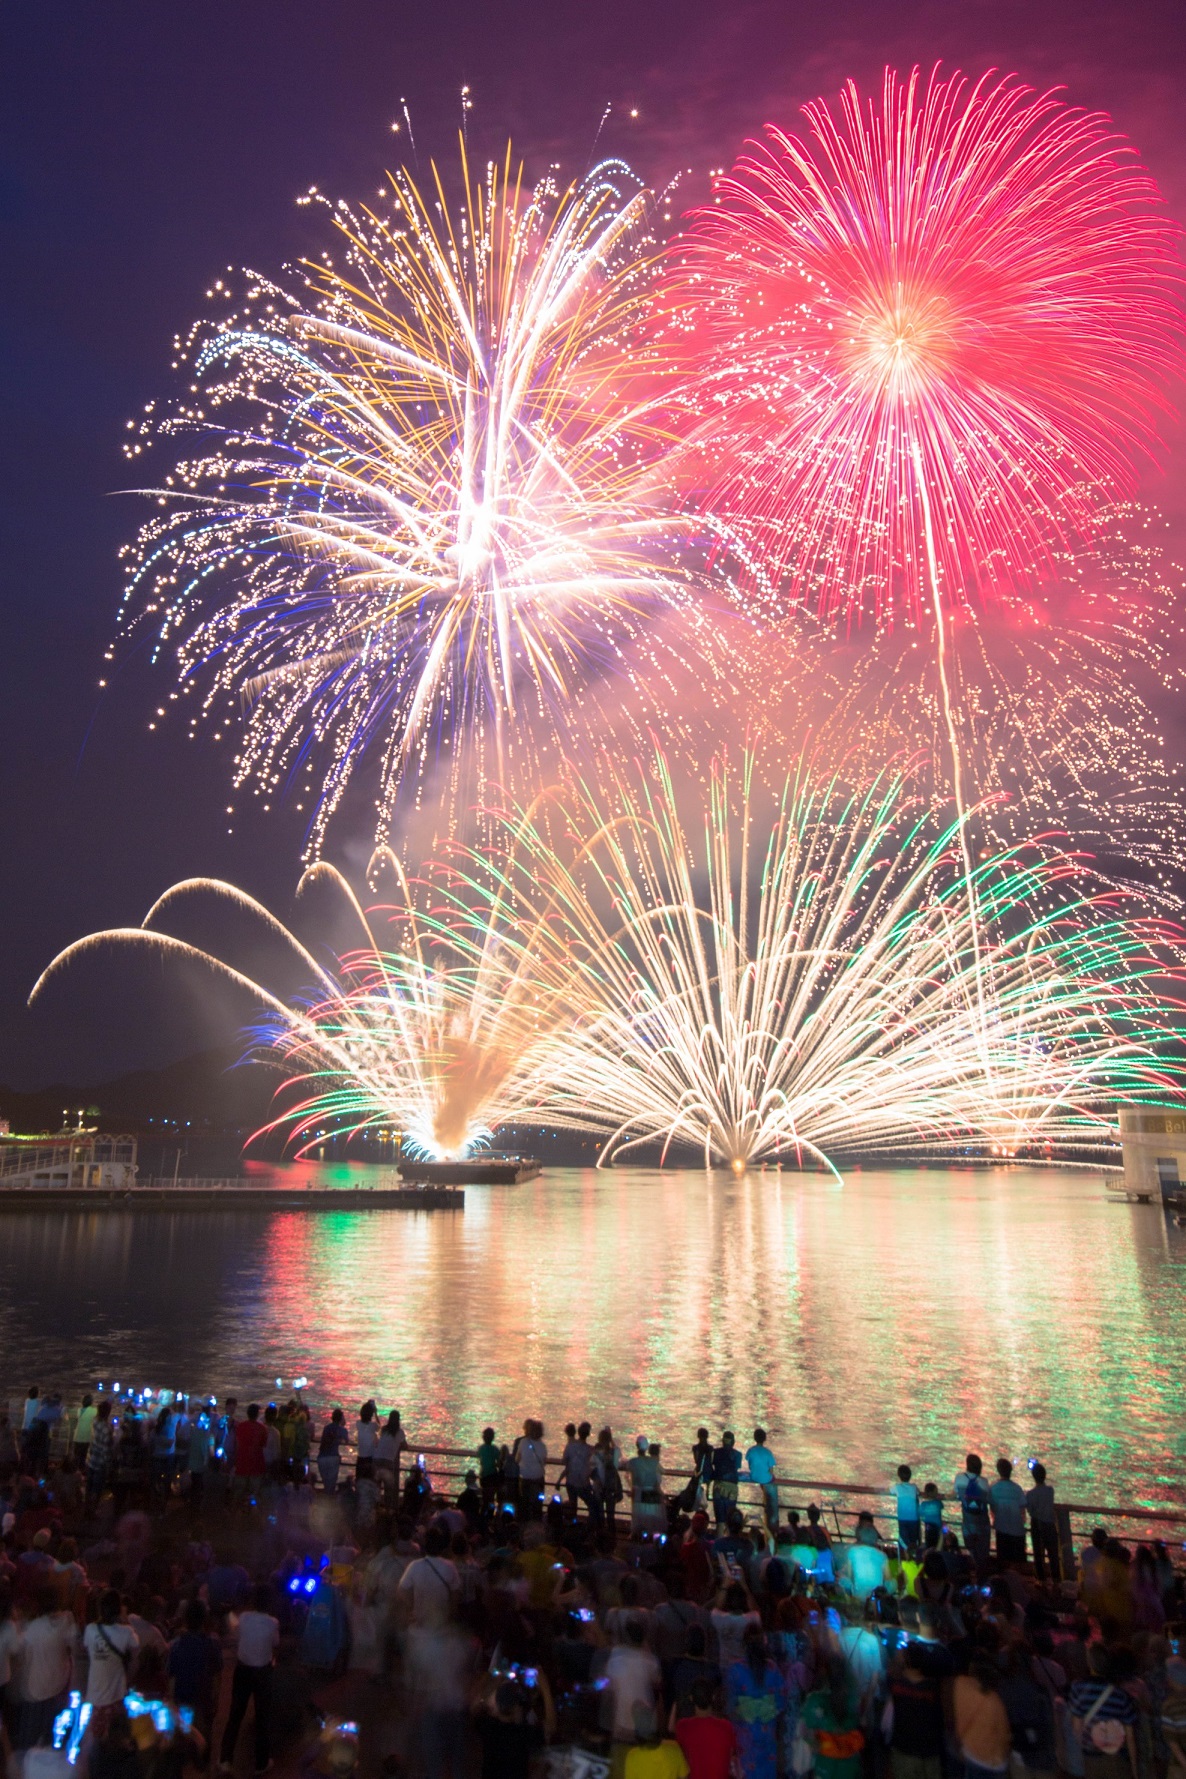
(145, 148)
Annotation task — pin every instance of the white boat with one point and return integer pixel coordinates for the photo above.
(71, 1159)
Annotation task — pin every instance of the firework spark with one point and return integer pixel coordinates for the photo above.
(418, 508)
(826, 992)
(821, 984)
(1057, 699)
(929, 343)
(441, 1037)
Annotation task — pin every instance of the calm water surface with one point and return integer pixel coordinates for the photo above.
(904, 1315)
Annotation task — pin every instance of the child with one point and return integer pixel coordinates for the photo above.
(931, 1512)
(906, 1496)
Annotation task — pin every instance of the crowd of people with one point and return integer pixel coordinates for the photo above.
(170, 1568)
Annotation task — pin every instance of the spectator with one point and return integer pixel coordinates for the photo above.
(980, 1721)
(734, 1614)
(761, 1466)
(930, 1513)
(82, 1430)
(195, 1667)
(47, 1662)
(577, 1474)
(726, 1469)
(430, 1584)
(511, 1729)
(250, 1443)
(690, 1670)
(634, 1681)
(864, 1565)
(972, 1494)
(256, 1642)
(830, 1725)
(916, 1733)
(334, 1435)
(709, 1742)
(1103, 1721)
(756, 1698)
(1007, 1500)
(110, 1649)
(1039, 1504)
(906, 1503)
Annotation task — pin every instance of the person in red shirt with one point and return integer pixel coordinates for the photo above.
(695, 1555)
(709, 1742)
(251, 1437)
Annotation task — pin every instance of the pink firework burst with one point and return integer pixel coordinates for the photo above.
(930, 342)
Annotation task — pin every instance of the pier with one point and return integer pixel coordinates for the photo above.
(229, 1195)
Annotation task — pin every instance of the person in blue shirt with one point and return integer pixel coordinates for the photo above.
(1007, 1500)
(907, 1504)
(761, 1467)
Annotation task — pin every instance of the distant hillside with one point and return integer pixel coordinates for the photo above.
(206, 1091)
(207, 1097)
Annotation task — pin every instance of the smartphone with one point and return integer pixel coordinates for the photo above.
(185, 1715)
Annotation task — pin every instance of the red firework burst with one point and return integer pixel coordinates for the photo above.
(929, 343)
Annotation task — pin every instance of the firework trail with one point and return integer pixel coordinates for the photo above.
(1056, 698)
(820, 985)
(441, 1036)
(412, 506)
(803, 985)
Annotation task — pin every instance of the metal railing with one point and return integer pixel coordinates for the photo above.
(833, 1498)
(838, 1500)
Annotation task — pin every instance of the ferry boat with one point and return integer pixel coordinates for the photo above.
(68, 1159)
(473, 1170)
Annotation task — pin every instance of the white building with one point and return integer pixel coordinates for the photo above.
(1154, 1148)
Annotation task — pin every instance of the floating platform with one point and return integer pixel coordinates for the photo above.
(479, 1170)
(444, 1196)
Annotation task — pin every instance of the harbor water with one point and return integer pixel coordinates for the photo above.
(905, 1315)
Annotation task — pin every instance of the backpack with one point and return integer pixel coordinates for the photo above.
(1104, 1734)
(975, 1497)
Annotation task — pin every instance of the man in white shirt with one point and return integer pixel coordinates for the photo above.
(47, 1668)
(430, 1585)
(634, 1678)
(110, 1649)
(761, 1465)
(531, 1454)
(255, 1651)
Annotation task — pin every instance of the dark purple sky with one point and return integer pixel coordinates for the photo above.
(146, 147)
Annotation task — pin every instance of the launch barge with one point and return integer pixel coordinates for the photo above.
(477, 1170)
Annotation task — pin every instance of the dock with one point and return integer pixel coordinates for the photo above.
(230, 1195)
